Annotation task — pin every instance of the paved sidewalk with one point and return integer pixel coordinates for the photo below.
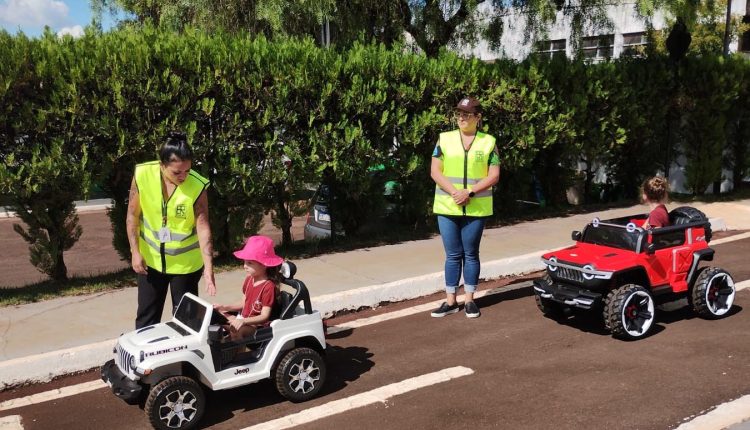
(42, 340)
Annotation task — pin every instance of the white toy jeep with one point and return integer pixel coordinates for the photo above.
(169, 364)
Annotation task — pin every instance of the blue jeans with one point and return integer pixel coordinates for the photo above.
(461, 236)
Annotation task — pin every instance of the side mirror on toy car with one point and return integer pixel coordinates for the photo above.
(576, 235)
(650, 249)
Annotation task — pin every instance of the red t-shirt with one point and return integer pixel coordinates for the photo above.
(257, 296)
(659, 217)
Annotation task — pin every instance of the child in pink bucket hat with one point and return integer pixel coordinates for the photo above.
(259, 289)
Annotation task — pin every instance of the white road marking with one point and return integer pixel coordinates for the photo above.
(721, 417)
(742, 285)
(730, 238)
(378, 395)
(11, 422)
(416, 309)
(52, 395)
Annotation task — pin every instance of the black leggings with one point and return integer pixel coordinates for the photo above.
(152, 293)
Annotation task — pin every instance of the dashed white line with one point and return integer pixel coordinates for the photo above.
(731, 238)
(742, 285)
(46, 396)
(721, 417)
(11, 422)
(378, 395)
(416, 309)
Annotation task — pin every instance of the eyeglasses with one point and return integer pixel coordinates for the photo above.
(464, 115)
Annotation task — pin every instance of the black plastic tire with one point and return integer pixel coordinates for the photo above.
(688, 214)
(629, 312)
(300, 374)
(550, 308)
(712, 294)
(177, 402)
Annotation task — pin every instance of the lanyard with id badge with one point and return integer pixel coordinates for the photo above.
(164, 234)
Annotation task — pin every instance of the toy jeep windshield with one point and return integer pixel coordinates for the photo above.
(626, 271)
(166, 367)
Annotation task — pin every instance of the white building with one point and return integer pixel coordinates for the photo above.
(627, 31)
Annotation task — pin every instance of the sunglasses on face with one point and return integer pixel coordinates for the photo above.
(464, 115)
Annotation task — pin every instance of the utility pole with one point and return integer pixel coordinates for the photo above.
(325, 33)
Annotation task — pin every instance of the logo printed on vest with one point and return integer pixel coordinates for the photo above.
(181, 211)
(478, 156)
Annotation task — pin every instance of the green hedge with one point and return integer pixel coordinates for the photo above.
(97, 105)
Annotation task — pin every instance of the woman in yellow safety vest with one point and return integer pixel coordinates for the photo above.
(465, 166)
(168, 230)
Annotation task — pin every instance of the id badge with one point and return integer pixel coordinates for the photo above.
(165, 235)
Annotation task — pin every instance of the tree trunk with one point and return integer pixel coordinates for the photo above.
(283, 215)
(59, 270)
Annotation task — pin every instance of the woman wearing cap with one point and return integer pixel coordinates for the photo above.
(259, 289)
(168, 229)
(465, 166)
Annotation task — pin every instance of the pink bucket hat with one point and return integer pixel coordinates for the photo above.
(260, 249)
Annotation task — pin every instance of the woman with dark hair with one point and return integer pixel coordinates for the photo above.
(168, 229)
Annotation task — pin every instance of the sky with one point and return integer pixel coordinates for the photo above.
(62, 16)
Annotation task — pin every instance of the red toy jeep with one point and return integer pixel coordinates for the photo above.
(626, 271)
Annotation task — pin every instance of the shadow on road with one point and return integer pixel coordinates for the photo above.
(344, 365)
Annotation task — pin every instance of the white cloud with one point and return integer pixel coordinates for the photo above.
(75, 31)
(34, 13)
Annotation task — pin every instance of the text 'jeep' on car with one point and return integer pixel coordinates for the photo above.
(626, 271)
(166, 366)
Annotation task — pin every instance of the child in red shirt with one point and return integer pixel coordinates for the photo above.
(655, 195)
(259, 289)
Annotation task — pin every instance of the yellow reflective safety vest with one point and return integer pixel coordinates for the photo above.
(464, 169)
(178, 252)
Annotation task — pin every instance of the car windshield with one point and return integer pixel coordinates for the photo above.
(613, 236)
(190, 313)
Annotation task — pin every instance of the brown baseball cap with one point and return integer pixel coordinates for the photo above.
(470, 105)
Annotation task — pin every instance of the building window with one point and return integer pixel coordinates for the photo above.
(745, 37)
(634, 44)
(550, 48)
(598, 48)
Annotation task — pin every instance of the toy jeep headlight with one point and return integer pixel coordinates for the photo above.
(133, 362)
(552, 264)
(589, 272)
(586, 272)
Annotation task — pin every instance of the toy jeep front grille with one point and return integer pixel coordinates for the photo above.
(570, 274)
(123, 359)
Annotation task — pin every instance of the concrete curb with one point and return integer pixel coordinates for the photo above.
(47, 366)
(405, 289)
(5, 213)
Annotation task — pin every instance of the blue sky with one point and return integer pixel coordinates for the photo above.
(30, 16)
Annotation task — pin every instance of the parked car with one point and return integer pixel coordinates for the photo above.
(167, 367)
(624, 271)
(318, 223)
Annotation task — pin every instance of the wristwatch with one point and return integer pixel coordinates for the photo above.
(472, 194)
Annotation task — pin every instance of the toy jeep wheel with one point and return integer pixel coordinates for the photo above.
(712, 294)
(175, 403)
(629, 312)
(300, 374)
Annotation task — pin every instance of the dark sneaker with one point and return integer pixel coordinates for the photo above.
(445, 309)
(472, 310)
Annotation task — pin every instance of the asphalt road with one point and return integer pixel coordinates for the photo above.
(529, 372)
